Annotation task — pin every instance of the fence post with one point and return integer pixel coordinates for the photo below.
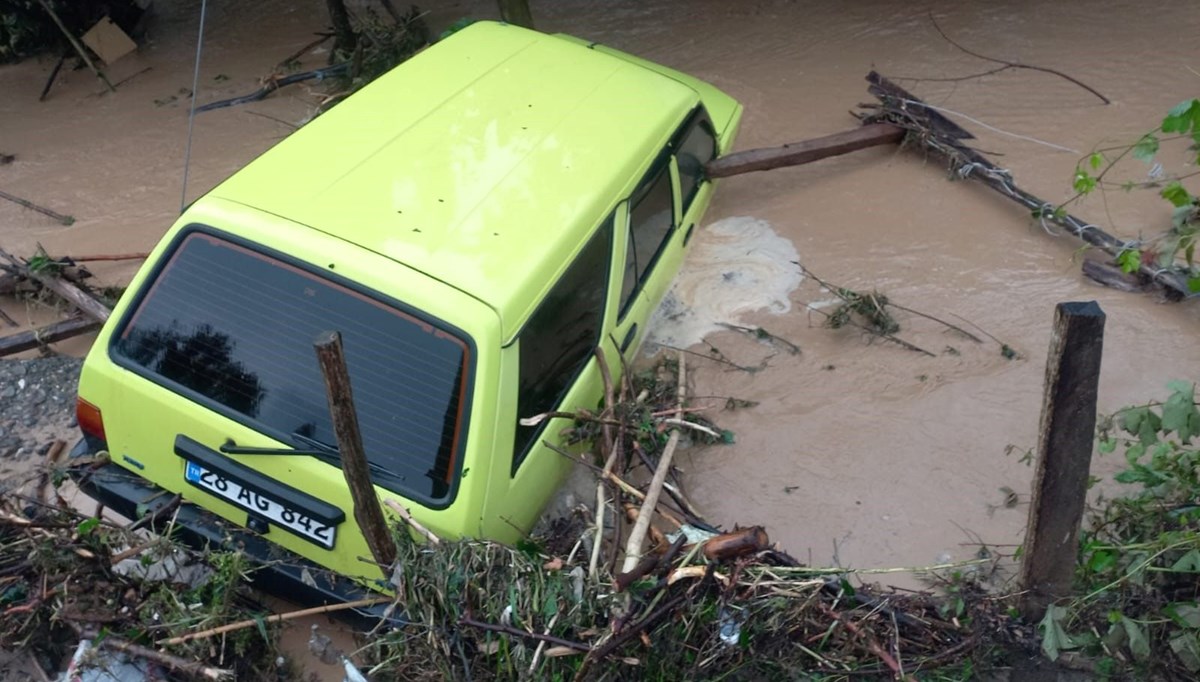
(367, 511)
(1064, 454)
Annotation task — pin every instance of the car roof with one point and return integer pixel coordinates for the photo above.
(475, 161)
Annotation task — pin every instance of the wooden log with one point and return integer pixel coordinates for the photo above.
(64, 219)
(1066, 437)
(80, 298)
(516, 12)
(48, 334)
(943, 137)
(367, 511)
(736, 543)
(797, 153)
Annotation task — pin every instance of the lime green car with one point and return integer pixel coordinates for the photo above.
(474, 224)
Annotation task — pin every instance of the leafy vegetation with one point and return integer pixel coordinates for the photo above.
(1178, 243)
(1137, 575)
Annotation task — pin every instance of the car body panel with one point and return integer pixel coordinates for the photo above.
(462, 184)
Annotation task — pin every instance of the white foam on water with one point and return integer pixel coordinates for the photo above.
(737, 266)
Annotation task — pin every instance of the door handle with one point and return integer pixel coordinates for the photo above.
(629, 336)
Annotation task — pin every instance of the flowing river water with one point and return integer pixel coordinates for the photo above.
(859, 453)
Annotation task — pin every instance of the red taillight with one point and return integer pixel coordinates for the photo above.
(88, 416)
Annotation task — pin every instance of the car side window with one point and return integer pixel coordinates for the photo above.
(558, 339)
(651, 218)
(696, 146)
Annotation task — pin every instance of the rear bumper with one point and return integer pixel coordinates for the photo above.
(282, 573)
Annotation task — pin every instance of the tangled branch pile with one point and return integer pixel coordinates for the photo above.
(696, 605)
(66, 577)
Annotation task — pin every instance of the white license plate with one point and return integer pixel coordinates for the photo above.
(253, 501)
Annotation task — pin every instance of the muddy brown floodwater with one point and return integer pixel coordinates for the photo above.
(859, 453)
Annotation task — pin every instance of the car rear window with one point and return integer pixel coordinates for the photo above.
(233, 328)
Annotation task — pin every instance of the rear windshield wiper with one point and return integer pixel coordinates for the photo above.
(231, 448)
(313, 448)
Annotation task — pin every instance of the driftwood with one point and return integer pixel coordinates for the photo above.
(1112, 276)
(274, 83)
(736, 543)
(633, 547)
(64, 219)
(367, 510)
(35, 338)
(943, 137)
(105, 257)
(797, 153)
(78, 297)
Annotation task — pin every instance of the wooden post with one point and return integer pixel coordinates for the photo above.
(367, 511)
(75, 44)
(807, 151)
(516, 12)
(344, 37)
(1066, 437)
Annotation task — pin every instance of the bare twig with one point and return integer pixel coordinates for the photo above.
(277, 618)
(509, 630)
(1016, 65)
(763, 334)
(940, 321)
(407, 517)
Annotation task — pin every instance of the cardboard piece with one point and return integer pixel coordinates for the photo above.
(108, 41)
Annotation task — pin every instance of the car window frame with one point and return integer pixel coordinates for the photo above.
(699, 117)
(388, 481)
(522, 456)
(661, 167)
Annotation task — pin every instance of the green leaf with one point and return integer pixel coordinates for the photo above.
(1146, 148)
(1179, 413)
(727, 437)
(1107, 445)
(1176, 194)
(1054, 637)
(1130, 260)
(1084, 182)
(1139, 646)
(1181, 216)
(1188, 563)
(261, 622)
(847, 587)
(1143, 423)
(1102, 561)
(1185, 614)
(1183, 117)
(87, 525)
(1186, 646)
(1096, 160)
(1194, 284)
(550, 605)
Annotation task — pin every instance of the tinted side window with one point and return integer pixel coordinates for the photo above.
(558, 340)
(651, 217)
(697, 147)
(232, 328)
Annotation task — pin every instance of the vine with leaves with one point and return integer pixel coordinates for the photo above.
(1164, 251)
